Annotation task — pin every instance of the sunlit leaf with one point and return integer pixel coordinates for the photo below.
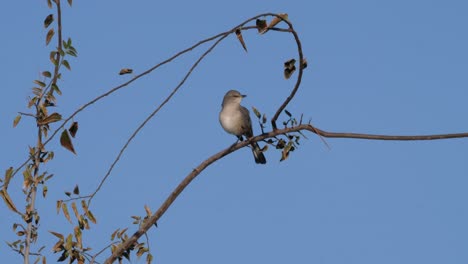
(256, 112)
(125, 71)
(58, 235)
(73, 129)
(66, 142)
(75, 210)
(66, 213)
(48, 20)
(41, 84)
(49, 36)
(16, 120)
(149, 258)
(59, 205)
(54, 117)
(91, 217)
(77, 233)
(276, 20)
(44, 191)
(8, 201)
(240, 38)
(69, 242)
(84, 206)
(148, 210)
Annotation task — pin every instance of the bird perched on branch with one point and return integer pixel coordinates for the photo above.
(235, 119)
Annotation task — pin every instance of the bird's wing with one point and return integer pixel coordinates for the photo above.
(247, 126)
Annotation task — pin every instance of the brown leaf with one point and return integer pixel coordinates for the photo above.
(148, 211)
(58, 235)
(304, 63)
(54, 117)
(289, 68)
(125, 71)
(240, 38)
(59, 205)
(91, 217)
(66, 213)
(16, 121)
(49, 36)
(48, 20)
(261, 26)
(8, 201)
(76, 190)
(66, 142)
(73, 129)
(276, 20)
(75, 210)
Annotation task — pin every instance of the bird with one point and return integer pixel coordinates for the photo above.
(235, 119)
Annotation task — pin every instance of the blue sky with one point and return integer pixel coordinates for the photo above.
(377, 67)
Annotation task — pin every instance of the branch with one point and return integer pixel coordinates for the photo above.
(195, 172)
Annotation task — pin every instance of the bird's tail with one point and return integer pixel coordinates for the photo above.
(258, 154)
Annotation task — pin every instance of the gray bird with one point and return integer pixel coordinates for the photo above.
(235, 119)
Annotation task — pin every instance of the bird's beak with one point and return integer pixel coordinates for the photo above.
(243, 95)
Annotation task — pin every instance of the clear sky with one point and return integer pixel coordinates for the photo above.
(383, 67)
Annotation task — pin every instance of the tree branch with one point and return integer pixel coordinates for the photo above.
(302, 127)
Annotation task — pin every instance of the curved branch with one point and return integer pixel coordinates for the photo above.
(195, 172)
(299, 75)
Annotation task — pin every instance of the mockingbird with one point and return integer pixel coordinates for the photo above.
(235, 119)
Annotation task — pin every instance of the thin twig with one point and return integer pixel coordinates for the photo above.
(154, 113)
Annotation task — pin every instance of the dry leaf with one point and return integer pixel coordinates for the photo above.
(73, 129)
(289, 68)
(276, 20)
(125, 71)
(66, 142)
(241, 39)
(261, 26)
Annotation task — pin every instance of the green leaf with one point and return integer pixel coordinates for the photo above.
(44, 191)
(48, 20)
(66, 64)
(49, 36)
(41, 84)
(46, 74)
(66, 142)
(16, 121)
(256, 112)
(56, 89)
(8, 176)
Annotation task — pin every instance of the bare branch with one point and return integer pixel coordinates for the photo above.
(195, 172)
